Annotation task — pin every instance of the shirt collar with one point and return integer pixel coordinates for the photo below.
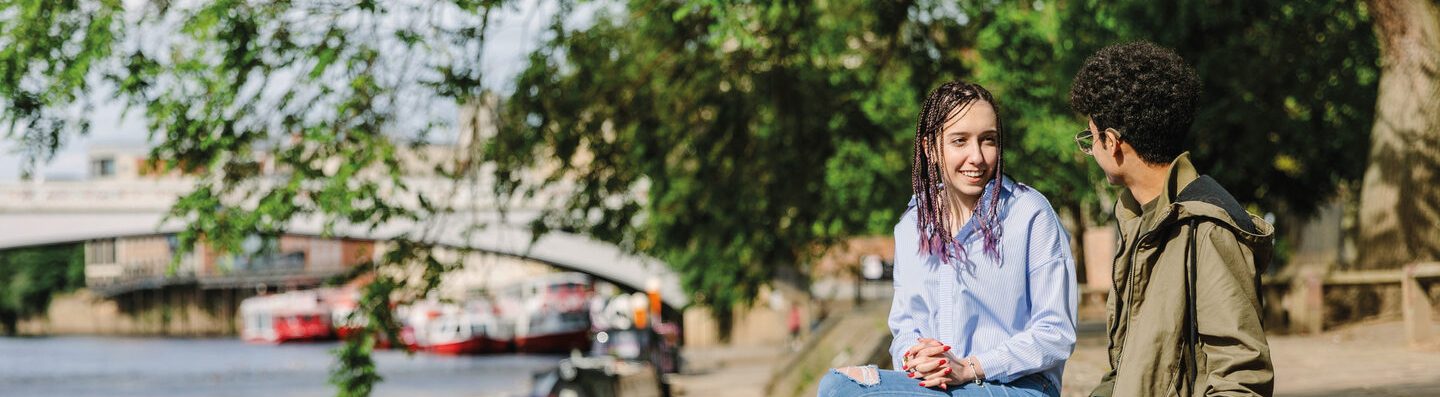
(1007, 188)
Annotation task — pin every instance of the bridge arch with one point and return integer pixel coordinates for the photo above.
(562, 250)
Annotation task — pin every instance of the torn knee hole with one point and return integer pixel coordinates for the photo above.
(866, 376)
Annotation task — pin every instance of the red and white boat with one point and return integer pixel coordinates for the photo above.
(551, 313)
(286, 317)
(342, 306)
(447, 328)
(343, 302)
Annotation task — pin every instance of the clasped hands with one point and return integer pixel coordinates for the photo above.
(932, 363)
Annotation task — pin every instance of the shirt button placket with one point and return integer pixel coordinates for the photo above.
(947, 303)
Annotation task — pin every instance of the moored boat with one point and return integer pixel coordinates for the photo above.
(285, 317)
(553, 313)
(448, 328)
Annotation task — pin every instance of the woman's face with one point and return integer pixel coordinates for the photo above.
(969, 148)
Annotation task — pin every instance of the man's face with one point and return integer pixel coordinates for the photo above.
(1104, 152)
(968, 149)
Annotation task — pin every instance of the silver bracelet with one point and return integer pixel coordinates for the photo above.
(979, 378)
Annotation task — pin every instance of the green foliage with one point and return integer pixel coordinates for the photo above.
(30, 277)
(354, 373)
(1022, 59)
(49, 51)
(1282, 119)
(1290, 87)
(732, 141)
(407, 272)
(287, 111)
(759, 132)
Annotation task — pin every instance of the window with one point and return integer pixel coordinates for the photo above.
(100, 251)
(102, 167)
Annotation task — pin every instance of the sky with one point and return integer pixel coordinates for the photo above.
(513, 34)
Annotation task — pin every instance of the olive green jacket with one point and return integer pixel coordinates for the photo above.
(1194, 243)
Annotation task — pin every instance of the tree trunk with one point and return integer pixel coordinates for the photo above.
(1400, 198)
(1077, 240)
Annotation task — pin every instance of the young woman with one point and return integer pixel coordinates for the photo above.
(985, 288)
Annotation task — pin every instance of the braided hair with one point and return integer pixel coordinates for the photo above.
(932, 209)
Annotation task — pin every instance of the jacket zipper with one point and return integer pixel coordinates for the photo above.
(1129, 299)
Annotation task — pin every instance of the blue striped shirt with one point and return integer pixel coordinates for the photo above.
(1017, 317)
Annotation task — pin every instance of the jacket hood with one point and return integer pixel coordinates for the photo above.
(1188, 196)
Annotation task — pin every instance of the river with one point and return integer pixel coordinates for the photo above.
(113, 366)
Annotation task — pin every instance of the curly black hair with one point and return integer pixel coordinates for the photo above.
(1143, 90)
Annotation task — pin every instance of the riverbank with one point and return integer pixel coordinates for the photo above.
(169, 311)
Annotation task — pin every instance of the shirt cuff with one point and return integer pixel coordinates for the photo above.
(996, 366)
(899, 346)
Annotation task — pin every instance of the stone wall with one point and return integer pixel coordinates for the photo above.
(172, 311)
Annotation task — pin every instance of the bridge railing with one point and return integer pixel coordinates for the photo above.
(149, 194)
(159, 194)
(107, 274)
(285, 270)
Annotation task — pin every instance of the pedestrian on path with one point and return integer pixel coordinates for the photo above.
(793, 321)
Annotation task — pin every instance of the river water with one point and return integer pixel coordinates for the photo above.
(111, 366)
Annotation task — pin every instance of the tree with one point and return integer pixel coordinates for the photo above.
(1278, 141)
(30, 277)
(1289, 88)
(51, 51)
(1400, 204)
(328, 92)
(1021, 55)
(735, 141)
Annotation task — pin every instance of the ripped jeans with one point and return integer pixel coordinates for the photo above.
(870, 381)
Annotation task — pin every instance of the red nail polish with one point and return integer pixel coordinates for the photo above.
(942, 361)
(947, 348)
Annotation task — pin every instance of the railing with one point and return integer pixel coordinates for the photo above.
(1305, 301)
(159, 194)
(105, 274)
(1423, 270)
(151, 195)
(109, 279)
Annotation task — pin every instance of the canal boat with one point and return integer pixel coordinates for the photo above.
(286, 317)
(456, 329)
(551, 313)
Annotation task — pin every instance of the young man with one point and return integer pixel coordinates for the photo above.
(1184, 313)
